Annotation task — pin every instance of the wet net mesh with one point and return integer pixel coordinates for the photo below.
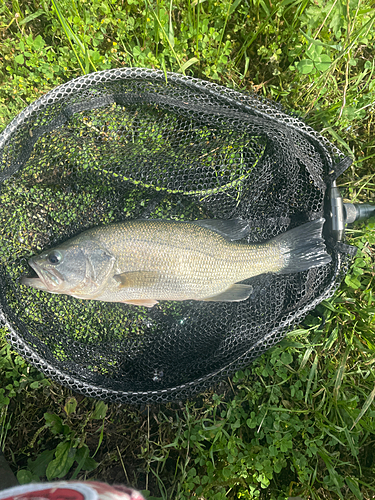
(127, 144)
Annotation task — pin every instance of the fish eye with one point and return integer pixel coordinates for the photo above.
(54, 257)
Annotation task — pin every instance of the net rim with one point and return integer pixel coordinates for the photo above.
(246, 102)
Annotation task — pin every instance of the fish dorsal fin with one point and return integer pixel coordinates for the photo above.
(142, 302)
(234, 293)
(137, 279)
(230, 229)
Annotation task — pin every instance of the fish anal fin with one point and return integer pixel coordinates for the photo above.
(235, 293)
(141, 302)
(137, 279)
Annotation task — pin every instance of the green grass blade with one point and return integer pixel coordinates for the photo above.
(171, 30)
(66, 26)
(100, 439)
(305, 358)
(164, 69)
(353, 486)
(32, 16)
(234, 6)
(69, 33)
(188, 63)
(311, 376)
(353, 448)
(336, 136)
(340, 376)
(73, 38)
(265, 8)
(80, 463)
(247, 63)
(332, 473)
(164, 34)
(222, 32)
(365, 407)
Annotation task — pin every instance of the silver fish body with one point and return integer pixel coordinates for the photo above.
(143, 261)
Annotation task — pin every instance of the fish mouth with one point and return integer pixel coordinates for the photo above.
(42, 279)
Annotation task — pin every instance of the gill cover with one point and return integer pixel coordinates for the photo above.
(99, 267)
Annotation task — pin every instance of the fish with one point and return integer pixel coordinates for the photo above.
(144, 261)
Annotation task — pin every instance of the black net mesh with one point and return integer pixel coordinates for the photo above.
(126, 144)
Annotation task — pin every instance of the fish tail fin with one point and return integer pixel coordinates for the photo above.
(303, 247)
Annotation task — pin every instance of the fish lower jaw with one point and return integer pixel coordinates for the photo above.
(34, 283)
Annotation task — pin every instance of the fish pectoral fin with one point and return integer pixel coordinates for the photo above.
(142, 302)
(137, 279)
(235, 293)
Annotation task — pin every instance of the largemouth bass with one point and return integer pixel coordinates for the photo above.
(143, 261)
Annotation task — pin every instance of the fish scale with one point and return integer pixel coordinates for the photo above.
(196, 259)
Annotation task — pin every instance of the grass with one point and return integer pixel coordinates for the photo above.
(300, 420)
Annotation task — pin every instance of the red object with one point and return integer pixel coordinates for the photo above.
(65, 490)
(48, 494)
